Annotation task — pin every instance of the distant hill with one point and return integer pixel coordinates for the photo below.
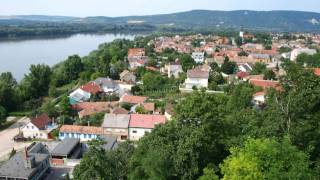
(198, 19)
(38, 18)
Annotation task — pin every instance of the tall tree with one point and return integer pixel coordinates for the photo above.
(7, 91)
(36, 83)
(266, 159)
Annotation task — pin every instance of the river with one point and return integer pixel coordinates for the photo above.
(16, 56)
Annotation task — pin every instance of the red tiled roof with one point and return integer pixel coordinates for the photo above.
(120, 111)
(134, 99)
(261, 93)
(317, 71)
(91, 87)
(265, 83)
(136, 52)
(242, 74)
(89, 108)
(146, 121)
(81, 129)
(41, 121)
(197, 73)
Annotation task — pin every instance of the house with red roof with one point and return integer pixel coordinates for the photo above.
(133, 99)
(85, 92)
(140, 124)
(317, 71)
(265, 84)
(39, 127)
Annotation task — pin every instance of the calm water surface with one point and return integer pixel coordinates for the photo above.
(16, 56)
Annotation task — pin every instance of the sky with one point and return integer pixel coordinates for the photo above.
(82, 8)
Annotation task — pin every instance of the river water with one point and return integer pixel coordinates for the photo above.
(16, 56)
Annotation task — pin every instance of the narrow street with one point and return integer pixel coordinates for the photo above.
(6, 139)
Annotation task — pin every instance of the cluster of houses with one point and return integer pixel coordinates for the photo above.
(120, 123)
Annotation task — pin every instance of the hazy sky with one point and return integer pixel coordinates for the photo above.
(144, 7)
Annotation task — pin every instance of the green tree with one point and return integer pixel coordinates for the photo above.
(7, 91)
(228, 67)
(3, 115)
(72, 68)
(36, 83)
(151, 81)
(64, 106)
(266, 159)
(258, 68)
(269, 75)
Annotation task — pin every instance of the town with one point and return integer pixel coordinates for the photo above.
(116, 96)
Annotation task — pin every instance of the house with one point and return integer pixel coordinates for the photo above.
(140, 124)
(39, 127)
(197, 78)
(90, 108)
(135, 62)
(84, 133)
(172, 69)
(264, 58)
(136, 52)
(119, 110)
(147, 107)
(133, 99)
(28, 165)
(296, 52)
(128, 77)
(198, 57)
(69, 148)
(246, 67)
(259, 98)
(116, 125)
(265, 84)
(317, 71)
(106, 84)
(85, 92)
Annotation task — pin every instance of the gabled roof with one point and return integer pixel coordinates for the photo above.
(91, 87)
(120, 111)
(116, 121)
(146, 121)
(136, 52)
(81, 129)
(41, 121)
(197, 73)
(133, 99)
(105, 82)
(65, 147)
(265, 83)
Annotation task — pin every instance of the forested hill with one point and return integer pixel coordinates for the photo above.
(254, 20)
(202, 20)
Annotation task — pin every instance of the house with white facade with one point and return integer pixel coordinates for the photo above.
(106, 84)
(198, 57)
(84, 133)
(84, 93)
(196, 78)
(172, 69)
(140, 124)
(39, 127)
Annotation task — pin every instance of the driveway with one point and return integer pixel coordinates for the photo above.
(6, 137)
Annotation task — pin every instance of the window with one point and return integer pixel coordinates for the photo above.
(85, 136)
(72, 134)
(134, 131)
(61, 134)
(31, 127)
(90, 136)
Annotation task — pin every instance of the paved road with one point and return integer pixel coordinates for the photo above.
(6, 138)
